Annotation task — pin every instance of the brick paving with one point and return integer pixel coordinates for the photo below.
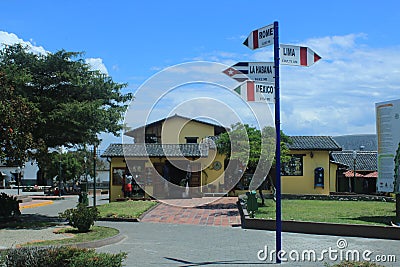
(218, 212)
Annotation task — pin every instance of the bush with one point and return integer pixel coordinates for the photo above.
(59, 257)
(82, 217)
(9, 206)
(93, 259)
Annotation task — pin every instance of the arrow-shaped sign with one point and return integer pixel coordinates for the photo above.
(260, 37)
(256, 71)
(256, 92)
(297, 55)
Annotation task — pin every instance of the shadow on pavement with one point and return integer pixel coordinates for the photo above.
(218, 206)
(30, 221)
(205, 263)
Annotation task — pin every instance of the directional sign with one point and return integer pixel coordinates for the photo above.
(255, 71)
(267, 91)
(260, 37)
(297, 55)
(256, 92)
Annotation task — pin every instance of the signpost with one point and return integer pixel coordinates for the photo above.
(290, 55)
(255, 71)
(298, 55)
(256, 91)
(260, 37)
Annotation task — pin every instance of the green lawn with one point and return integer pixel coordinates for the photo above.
(95, 233)
(126, 209)
(350, 212)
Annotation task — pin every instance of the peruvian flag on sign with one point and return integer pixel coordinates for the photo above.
(308, 57)
(297, 55)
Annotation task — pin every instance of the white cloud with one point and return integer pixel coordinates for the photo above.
(7, 38)
(97, 64)
(10, 38)
(337, 95)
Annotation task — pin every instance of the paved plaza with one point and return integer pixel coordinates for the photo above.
(210, 236)
(219, 212)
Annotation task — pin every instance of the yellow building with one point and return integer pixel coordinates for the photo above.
(181, 145)
(178, 147)
(310, 170)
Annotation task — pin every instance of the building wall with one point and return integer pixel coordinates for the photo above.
(305, 184)
(332, 177)
(185, 128)
(209, 176)
(115, 190)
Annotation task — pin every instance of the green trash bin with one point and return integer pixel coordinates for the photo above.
(252, 205)
(83, 186)
(83, 195)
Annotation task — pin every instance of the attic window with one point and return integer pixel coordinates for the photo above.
(191, 140)
(151, 138)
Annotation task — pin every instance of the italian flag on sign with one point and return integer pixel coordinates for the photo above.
(247, 91)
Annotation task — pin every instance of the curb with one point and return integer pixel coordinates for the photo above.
(148, 211)
(35, 205)
(111, 219)
(99, 243)
(319, 228)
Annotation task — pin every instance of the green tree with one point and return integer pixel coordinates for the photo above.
(252, 143)
(18, 118)
(253, 148)
(67, 103)
(72, 165)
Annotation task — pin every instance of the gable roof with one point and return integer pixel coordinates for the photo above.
(369, 142)
(313, 143)
(219, 127)
(156, 150)
(365, 160)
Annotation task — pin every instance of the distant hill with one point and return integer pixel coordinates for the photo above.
(354, 142)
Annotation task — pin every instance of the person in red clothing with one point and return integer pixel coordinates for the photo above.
(128, 189)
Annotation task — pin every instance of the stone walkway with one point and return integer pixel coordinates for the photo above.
(219, 212)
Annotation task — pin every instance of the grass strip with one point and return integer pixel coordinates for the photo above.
(95, 233)
(332, 211)
(127, 209)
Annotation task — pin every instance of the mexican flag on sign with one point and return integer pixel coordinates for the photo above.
(247, 91)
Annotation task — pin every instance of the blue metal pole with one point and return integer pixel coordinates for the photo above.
(278, 146)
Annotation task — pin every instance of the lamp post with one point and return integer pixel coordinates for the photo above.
(85, 160)
(59, 178)
(61, 151)
(18, 172)
(94, 175)
(354, 170)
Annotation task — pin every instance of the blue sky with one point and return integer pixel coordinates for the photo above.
(133, 40)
